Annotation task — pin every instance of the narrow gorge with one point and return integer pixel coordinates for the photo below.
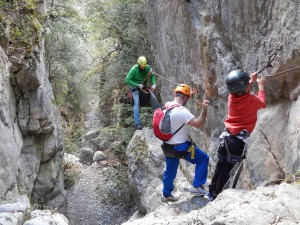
(197, 42)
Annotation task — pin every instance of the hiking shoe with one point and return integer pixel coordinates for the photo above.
(171, 198)
(209, 196)
(199, 190)
(138, 126)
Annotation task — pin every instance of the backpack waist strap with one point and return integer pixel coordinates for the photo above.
(172, 152)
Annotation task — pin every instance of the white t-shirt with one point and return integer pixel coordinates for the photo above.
(180, 115)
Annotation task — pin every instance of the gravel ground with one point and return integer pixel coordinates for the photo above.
(85, 205)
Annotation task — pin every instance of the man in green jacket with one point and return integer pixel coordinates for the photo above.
(137, 79)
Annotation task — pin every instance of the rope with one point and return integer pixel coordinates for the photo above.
(272, 75)
(164, 78)
(271, 58)
(193, 91)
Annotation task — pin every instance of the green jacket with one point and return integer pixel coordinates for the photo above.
(137, 76)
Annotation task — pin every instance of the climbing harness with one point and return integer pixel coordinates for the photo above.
(234, 174)
(144, 93)
(144, 96)
(192, 151)
(171, 153)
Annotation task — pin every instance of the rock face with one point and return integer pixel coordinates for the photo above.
(276, 204)
(145, 162)
(265, 205)
(198, 42)
(17, 213)
(31, 143)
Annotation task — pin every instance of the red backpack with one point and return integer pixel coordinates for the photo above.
(161, 123)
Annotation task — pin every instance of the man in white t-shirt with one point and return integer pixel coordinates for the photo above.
(180, 146)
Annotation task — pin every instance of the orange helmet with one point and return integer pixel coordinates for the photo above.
(184, 89)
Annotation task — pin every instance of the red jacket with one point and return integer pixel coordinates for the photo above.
(242, 111)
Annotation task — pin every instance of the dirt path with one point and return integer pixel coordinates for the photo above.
(92, 117)
(85, 202)
(85, 205)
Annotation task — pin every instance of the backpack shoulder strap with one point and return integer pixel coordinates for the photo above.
(172, 106)
(169, 109)
(178, 129)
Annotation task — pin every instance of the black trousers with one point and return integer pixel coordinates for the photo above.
(223, 168)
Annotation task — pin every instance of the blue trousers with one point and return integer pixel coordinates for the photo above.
(136, 107)
(200, 160)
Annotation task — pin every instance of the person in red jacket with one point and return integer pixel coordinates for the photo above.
(240, 122)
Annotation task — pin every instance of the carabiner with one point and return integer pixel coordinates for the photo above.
(270, 60)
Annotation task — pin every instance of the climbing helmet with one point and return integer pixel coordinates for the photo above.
(142, 61)
(184, 89)
(237, 81)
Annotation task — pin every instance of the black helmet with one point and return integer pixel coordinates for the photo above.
(237, 81)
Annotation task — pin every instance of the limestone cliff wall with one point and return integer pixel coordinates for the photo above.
(31, 143)
(198, 42)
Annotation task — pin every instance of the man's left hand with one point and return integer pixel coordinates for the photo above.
(154, 86)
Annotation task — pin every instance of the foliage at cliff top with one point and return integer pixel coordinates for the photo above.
(119, 32)
(20, 24)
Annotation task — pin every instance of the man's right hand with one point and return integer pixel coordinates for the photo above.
(140, 86)
(205, 104)
(253, 77)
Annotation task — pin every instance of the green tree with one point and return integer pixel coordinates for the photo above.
(67, 63)
(118, 28)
